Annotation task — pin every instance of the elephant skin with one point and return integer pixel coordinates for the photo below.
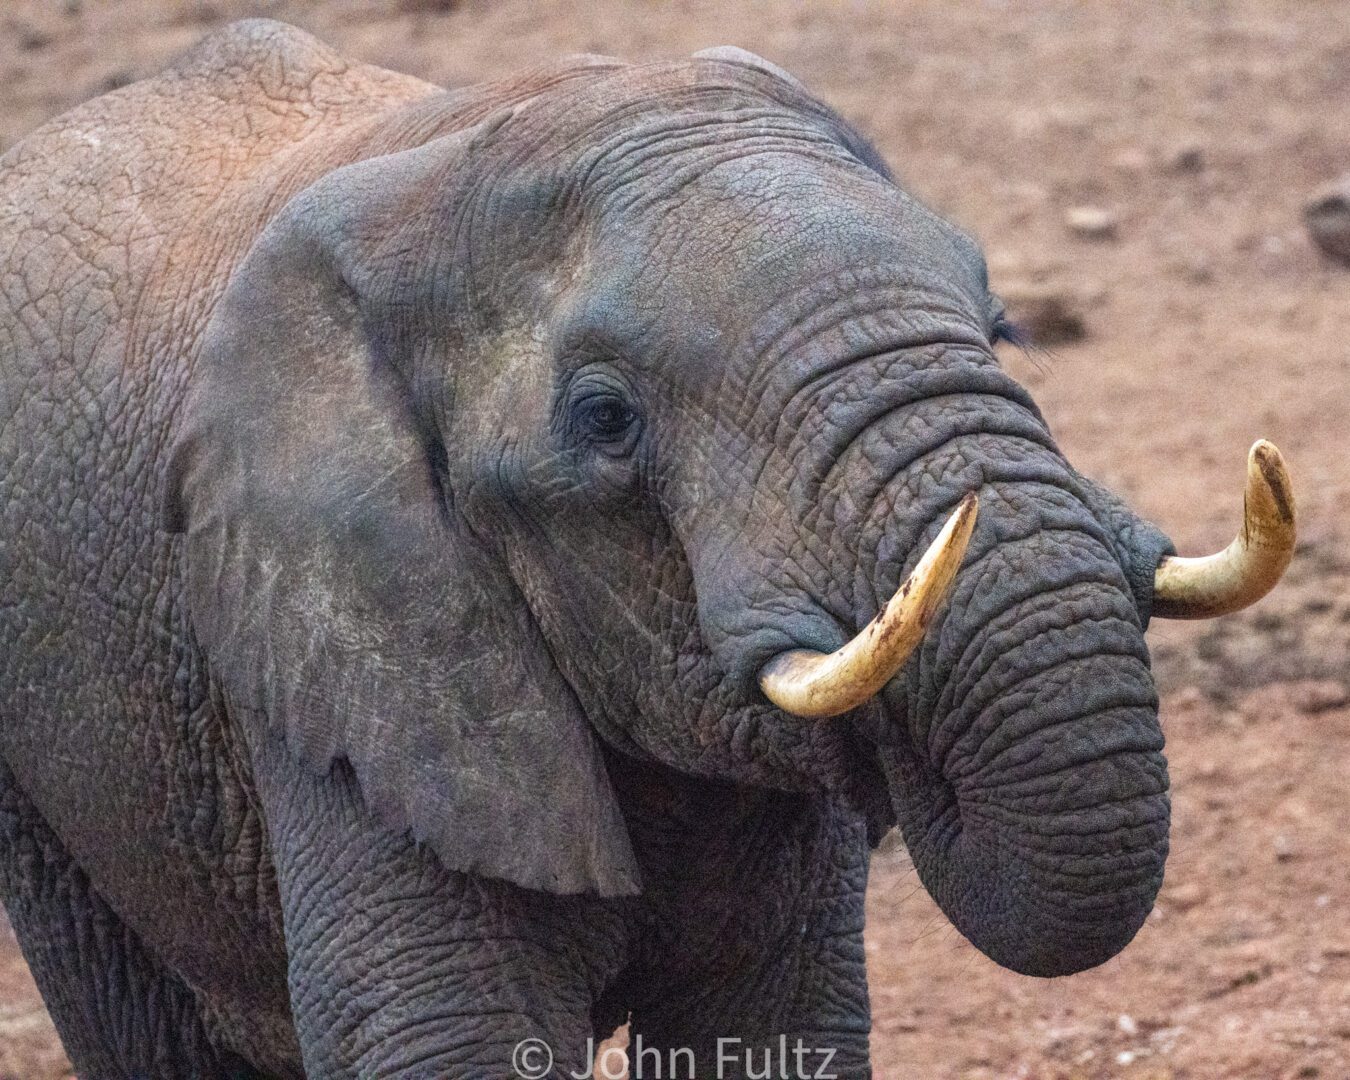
(400, 491)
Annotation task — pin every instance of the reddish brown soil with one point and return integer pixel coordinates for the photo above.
(1202, 128)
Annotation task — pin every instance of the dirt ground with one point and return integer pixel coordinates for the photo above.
(1144, 169)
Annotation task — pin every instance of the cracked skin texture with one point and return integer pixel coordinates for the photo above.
(134, 824)
(289, 821)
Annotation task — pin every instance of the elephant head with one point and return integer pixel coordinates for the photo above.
(612, 426)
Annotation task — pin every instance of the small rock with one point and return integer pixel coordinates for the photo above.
(1092, 222)
(1126, 1057)
(1186, 160)
(1127, 1024)
(32, 39)
(1189, 894)
(115, 80)
(1283, 847)
(1319, 696)
(1327, 217)
(1049, 316)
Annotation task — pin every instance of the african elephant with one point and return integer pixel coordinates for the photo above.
(485, 564)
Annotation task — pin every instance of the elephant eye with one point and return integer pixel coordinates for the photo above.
(605, 419)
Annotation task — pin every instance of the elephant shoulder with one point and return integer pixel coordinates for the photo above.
(129, 199)
(255, 104)
(261, 62)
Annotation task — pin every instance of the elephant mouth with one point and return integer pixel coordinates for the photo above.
(820, 685)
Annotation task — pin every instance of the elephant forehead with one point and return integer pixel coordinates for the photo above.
(807, 282)
(776, 230)
(700, 207)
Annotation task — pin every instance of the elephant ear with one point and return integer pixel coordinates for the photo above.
(339, 600)
(734, 54)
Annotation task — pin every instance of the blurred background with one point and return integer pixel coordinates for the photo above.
(1156, 187)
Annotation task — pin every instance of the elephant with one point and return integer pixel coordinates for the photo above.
(482, 566)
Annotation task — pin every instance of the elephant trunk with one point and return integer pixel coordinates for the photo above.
(1031, 788)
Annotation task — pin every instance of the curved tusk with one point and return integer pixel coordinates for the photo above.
(813, 684)
(1249, 567)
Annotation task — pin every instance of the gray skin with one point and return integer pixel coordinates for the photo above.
(400, 490)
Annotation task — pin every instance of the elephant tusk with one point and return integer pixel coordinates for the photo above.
(1249, 567)
(814, 685)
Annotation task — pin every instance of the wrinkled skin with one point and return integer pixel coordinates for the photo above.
(402, 489)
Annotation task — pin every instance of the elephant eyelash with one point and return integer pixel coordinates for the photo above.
(1004, 329)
